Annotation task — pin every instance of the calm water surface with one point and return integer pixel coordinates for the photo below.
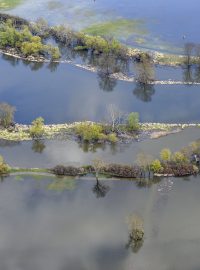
(68, 93)
(47, 154)
(48, 225)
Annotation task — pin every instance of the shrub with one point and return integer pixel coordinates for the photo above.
(6, 114)
(37, 128)
(112, 138)
(66, 170)
(133, 121)
(125, 171)
(165, 154)
(89, 131)
(156, 166)
(179, 157)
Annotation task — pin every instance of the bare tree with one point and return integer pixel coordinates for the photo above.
(115, 116)
(144, 162)
(98, 165)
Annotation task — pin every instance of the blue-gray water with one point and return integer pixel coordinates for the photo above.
(167, 24)
(71, 94)
(56, 224)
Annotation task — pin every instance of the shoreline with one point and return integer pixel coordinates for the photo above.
(65, 130)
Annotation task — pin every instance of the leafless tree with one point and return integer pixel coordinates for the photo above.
(115, 116)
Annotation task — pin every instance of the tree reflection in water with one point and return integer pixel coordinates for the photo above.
(38, 146)
(100, 190)
(144, 92)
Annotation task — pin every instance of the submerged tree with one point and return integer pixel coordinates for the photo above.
(136, 233)
(144, 69)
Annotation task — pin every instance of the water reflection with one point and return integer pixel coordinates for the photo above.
(49, 224)
(144, 92)
(38, 146)
(100, 189)
(106, 83)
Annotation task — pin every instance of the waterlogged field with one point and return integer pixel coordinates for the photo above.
(157, 25)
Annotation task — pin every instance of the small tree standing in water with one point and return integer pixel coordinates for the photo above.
(136, 233)
(99, 189)
(98, 165)
(144, 69)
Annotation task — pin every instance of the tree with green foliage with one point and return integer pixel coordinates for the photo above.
(133, 121)
(89, 131)
(165, 155)
(6, 114)
(156, 166)
(37, 128)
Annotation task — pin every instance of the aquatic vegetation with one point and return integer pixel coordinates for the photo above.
(116, 28)
(7, 4)
(52, 5)
(62, 184)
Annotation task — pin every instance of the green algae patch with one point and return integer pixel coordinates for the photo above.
(7, 4)
(116, 28)
(52, 5)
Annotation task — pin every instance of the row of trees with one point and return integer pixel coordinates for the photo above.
(22, 40)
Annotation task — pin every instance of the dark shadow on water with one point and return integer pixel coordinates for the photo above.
(38, 146)
(144, 92)
(106, 83)
(100, 189)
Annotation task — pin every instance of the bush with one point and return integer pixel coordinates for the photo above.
(37, 128)
(179, 157)
(133, 121)
(6, 114)
(179, 169)
(66, 170)
(124, 171)
(156, 166)
(112, 138)
(165, 154)
(89, 131)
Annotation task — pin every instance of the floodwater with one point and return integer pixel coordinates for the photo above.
(56, 224)
(49, 153)
(163, 25)
(65, 93)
